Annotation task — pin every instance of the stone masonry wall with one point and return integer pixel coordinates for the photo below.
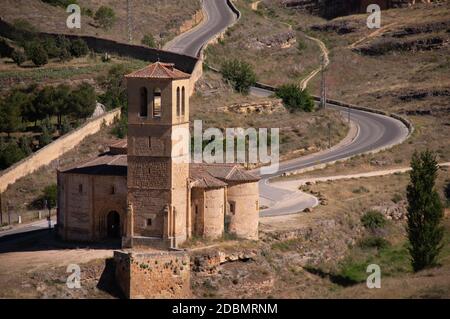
(245, 221)
(153, 275)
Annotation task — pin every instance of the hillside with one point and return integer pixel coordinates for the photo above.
(163, 18)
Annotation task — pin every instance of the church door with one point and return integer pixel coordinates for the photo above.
(113, 225)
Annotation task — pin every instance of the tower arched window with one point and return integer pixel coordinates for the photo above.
(178, 101)
(183, 101)
(143, 111)
(157, 103)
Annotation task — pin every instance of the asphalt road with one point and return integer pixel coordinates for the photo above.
(218, 17)
(375, 131)
(25, 228)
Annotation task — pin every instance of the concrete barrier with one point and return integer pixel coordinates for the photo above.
(55, 149)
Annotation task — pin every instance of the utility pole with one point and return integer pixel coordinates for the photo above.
(1, 211)
(323, 89)
(329, 135)
(129, 20)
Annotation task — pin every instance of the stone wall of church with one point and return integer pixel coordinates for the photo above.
(214, 213)
(208, 212)
(244, 221)
(84, 203)
(153, 275)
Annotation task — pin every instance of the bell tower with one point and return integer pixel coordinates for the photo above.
(158, 109)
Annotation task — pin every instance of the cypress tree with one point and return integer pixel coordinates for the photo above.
(425, 212)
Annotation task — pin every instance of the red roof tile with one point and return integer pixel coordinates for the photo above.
(159, 70)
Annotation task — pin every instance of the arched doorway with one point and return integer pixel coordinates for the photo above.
(113, 225)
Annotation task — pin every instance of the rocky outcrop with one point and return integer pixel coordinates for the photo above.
(210, 262)
(330, 9)
(393, 211)
(384, 46)
(281, 41)
(260, 107)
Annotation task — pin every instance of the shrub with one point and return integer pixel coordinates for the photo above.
(64, 55)
(149, 40)
(373, 219)
(49, 195)
(120, 129)
(45, 137)
(5, 49)
(105, 17)
(374, 242)
(397, 198)
(18, 57)
(447, 192)
(294, 98)
(239, 74)
(37, 54)
(79, 48)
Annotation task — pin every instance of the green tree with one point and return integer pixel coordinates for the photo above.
(10, 114)
(294, 98)
(425, 212)
(10, 153)
(18, 57)
(43, 103)
(149, 40)
(60, 101)
(50, 194)
(37, 54)
(79, 48)
(239, 74)
(115, 87)
(105, 17)
(82, 101)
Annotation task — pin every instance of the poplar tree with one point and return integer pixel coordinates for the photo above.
(425, 212)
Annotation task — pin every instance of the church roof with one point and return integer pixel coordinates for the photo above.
(109, 164)
(201, 175)
(159, 70)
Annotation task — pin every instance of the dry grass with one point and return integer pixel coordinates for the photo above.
(162, 18)
(273, 65)
(300, 132)
(399, 81)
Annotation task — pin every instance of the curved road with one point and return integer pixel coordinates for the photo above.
(374, 131)
(218, 16)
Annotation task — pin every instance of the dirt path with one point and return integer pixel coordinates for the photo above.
(295, 183)
(325, 55)
(374, 34)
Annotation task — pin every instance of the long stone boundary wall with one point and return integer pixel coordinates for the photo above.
(55, 149)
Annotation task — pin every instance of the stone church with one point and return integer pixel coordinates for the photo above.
(138, 192)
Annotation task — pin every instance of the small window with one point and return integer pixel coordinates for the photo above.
(149, 142)
(233, 208)
(80, 188)
(113, 190)
(157, 103)
(196, 209)
(178, 102)
(143, 112)
(149, 222)
(183, 102)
